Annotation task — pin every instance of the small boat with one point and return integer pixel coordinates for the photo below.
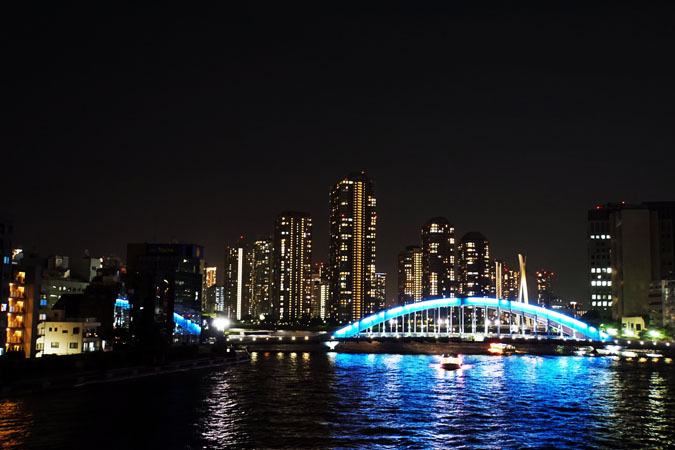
(498, 348)
(586, 351)
(451, 362)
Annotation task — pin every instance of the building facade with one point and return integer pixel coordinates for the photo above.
(6, 247)
(237, 288)
(625, 255)
(545, 294)
(261, 274)
(353, 224)
(165, 291)
(410, 275)
(474, 266)
(507, 281)
(68, 337)
(438, 259)
(380, 291)
(320, 291)
(293, 266)
(22, 304)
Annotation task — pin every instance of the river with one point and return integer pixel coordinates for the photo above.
(316, 400)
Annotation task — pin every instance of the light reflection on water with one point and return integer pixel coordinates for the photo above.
(303, 400)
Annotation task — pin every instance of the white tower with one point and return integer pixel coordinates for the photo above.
(522, 291)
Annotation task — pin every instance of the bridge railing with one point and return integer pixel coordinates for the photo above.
(521, 310)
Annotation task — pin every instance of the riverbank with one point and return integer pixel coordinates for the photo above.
(75, 376)
(436, 346)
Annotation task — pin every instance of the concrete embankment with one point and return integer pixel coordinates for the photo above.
(80, 379)
(430, 346)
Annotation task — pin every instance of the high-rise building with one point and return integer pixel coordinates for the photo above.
(665, 212)
(320, 291)
(237, 287)
(544, 290)
(165, 291)
(474, 266)
(6, 243)
(506, 281)
(215, 299)
(353, 222)
(262, 303)
(438, 259)
(22, 303)
(380, 291)
(210, 276)
(410, 275)
(624, 257)
(293, 266)
(208, 297)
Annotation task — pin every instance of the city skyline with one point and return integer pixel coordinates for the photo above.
(511, 135)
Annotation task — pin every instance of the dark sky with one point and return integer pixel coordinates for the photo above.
(202, 124)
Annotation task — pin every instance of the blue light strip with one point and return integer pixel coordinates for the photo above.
(186, 324)
(122, 303)
(580, 327)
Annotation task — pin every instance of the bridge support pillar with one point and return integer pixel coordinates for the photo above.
(499, 321)
(473, 320)
(446, 326)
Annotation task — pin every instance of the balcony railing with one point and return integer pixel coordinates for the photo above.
(16, 293)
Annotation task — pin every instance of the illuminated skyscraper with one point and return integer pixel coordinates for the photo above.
(292, 266)
(410, 275)
(320, 291)
(474, 266)
(237, 280)
(261, 277)
(353, 220)
(506, 282)
(208, 297)
(544, 291)
(380, 291)
(210, 276)
(438, 259)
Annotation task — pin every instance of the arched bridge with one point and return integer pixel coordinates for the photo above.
(471, 316)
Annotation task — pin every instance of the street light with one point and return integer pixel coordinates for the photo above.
(654, 334)
(221, 324)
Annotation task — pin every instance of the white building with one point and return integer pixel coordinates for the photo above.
(68, 337)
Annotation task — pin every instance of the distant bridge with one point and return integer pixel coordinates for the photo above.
(470, 316)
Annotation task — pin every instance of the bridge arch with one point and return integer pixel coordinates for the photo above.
(536, 314)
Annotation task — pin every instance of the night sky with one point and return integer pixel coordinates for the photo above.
(200, 125)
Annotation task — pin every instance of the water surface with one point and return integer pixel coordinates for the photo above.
(303, 400)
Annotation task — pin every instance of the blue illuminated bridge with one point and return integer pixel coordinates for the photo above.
(471, 317)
